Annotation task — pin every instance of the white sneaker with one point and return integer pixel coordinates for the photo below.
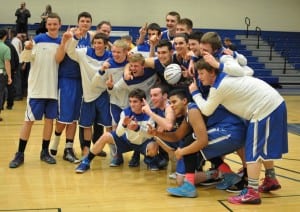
(173, 176)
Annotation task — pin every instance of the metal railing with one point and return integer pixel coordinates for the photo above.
(285, 54)
(271, 43)
(258, 33)
(247, 22)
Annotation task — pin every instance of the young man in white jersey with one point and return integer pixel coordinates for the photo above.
(42, 88)
(69, 79)
(130, 134)
(114, 68)
(95, 104)
(264, 108)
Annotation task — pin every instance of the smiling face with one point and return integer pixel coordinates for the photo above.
(181, 45)
(136, 104)
(119, 54)
(171, 22)
(158, 99)
(99, 46)
(164, 55)
(53, 25)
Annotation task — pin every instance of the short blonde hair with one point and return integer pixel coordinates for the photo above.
(121, 44)
(137, 57)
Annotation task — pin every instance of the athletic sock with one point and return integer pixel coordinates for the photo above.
(113, 150)
(22, 145)
(90, 156)
(69, 143)
(270, 173)
(216, 162)
(87, 143)
(45, 144)
(253, 183)
(190, 177)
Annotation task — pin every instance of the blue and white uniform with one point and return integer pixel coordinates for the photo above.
(143, 49)
(43, 78)
(226, 133)
(260, 104)
(69, 86)
(95, 105)
(127, 140)
(166, 36)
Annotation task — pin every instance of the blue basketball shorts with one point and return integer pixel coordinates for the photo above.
(69, 100)
(97, 111)
(267, 139)
(224, 140)
(37, 108)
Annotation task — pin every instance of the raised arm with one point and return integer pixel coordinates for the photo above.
(226, 64)
(143, 32)
(61, 50)
(26, 54)
(207, 107)
(164, 123)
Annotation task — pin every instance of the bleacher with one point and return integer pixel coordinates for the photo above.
(274, 56)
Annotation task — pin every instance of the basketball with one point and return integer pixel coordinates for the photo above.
(172, 73)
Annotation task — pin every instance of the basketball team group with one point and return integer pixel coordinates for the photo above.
(175, 96)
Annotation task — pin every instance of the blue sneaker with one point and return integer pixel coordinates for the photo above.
(153, 166)
(185, 190)
(135, 159)
(116, 161)
(229, 179)
(46, 157)
(83, 166)
(17, 161)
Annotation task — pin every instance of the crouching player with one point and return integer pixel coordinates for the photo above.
(131, 133)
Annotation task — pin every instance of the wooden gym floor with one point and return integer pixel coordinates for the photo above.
(36, 186)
